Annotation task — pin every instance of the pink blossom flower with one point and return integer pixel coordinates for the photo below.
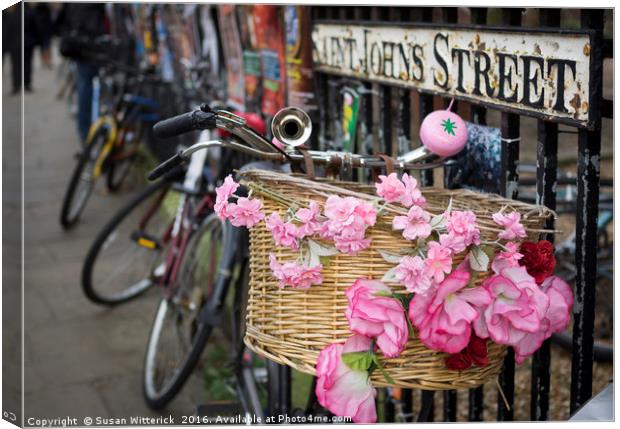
(454, 244)
(347, 221)
(296, 275)
(555, 320)
(414, 225)
(284, 234)
(376, 316)
(508, 258)
(438, 261)
(351, 244)
(412, 195)
(511, 222)
(518, 307)
(390, 188)
(223, 193)
(462, 225)
(444, 317)
(309, 218)
(411, 271)
(247, 212)
(342, 390)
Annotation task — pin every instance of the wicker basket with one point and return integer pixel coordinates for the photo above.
(291, 326)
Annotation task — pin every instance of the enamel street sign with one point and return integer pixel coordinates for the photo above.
(541, 73)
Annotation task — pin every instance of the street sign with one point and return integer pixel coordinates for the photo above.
(542, 73)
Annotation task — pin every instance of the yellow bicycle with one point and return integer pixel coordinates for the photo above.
(111, 147)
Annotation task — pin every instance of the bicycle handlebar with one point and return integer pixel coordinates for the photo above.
(167, 166)
(181, 124)
(257, 145)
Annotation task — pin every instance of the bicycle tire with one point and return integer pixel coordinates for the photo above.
(118, 170)
(69, 215)
(88, 286)
(157, 400)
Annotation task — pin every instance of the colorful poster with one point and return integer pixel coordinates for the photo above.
(299, 78)
(231, 45)
(210, 46)
(270, 34)
(251, 58)
(350, 111)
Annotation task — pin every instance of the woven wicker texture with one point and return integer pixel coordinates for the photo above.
(292, 326)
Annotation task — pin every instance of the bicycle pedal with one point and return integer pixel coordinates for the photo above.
(144, 240)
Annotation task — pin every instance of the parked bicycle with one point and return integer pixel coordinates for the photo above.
(263, 389)
(113, 138)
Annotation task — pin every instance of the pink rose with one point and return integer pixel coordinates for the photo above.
(390, 188)
(438, 261)
(223, 193)
(411, 271)
(412, 195)
(512, 225)
(309, 218)
(376, 316)
(414, 225)
(342, 390)
(284, 234)
(247, 212)
(518, 307)
(444, 317)
(462, 225)
(295, 275)
(506, 259)
(556, 317)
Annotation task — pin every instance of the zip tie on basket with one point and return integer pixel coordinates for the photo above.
(501, 392)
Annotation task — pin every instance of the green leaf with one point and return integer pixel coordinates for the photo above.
(390, 276)
(390, 257)
(478, 260)
(358, 361)
(489, 250)
(384, 293)
(382, 370)
(322, 250)
(438, 221)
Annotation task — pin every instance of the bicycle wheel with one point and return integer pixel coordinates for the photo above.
(119, 265)
(82, 180)
(177, 337)
(123, 155)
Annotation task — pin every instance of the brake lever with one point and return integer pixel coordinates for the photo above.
(237, 126)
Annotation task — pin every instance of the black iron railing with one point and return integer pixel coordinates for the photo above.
(394, 112)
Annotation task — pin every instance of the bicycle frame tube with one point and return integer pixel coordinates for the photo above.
(107, 147)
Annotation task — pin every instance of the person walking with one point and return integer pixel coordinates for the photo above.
(43, 15)
(85, 21)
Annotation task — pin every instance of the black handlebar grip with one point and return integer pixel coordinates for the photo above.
(190, 121)
(166, 166)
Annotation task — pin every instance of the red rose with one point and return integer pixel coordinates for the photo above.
(477, 348)
(474, 354)
(538, 259)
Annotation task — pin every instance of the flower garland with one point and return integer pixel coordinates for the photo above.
(520, 305)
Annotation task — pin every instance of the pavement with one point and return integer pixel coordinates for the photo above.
(80, 359)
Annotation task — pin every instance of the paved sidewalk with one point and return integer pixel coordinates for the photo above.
(80, 359)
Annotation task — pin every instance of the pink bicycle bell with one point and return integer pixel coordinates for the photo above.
(443, 132)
